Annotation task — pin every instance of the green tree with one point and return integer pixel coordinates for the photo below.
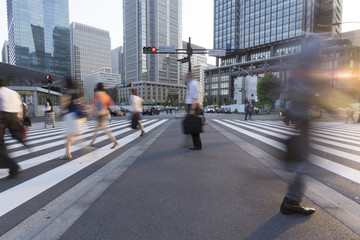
(269, 89)
(176, 102)
(205, 103)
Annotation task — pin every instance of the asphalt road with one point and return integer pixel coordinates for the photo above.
(221, 192)
(156, 188)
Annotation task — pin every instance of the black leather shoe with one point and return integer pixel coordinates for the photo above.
(195, 148)
(13, 175)
(291, 207)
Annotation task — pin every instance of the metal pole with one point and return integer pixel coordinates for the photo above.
(189, 53)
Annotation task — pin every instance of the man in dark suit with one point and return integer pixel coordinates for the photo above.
(302, 88)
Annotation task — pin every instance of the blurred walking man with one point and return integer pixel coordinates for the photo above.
(10, 117)
(302, 88)
(193, 100)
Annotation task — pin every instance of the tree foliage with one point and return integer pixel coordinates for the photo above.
(269, 89)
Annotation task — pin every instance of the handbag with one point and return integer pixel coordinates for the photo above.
(192, 125)
(19, 133)
(134, 120)
(80, 111)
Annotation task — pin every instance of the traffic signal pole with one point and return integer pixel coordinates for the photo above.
(189, 51)
(50, 82)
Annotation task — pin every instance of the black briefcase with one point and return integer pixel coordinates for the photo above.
(192, 125)
(134, 120)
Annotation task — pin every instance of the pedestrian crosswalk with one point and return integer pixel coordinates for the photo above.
(333, 170)
(335, 147)
(48, 145)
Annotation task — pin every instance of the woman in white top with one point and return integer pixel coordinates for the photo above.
(136, 103)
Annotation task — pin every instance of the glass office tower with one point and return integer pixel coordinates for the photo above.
(90, 50)
(247, 24)
(39, 35)
(152, 23)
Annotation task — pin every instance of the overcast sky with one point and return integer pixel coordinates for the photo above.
(197, 18)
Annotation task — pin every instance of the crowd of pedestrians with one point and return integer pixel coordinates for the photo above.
(75, 110)
(170, 109)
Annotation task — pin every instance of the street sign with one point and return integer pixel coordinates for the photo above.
(169, 49)
(217, 52)
(183, 60)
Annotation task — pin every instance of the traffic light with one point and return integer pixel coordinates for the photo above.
(149, 50)
(49, 79)
(130, 85)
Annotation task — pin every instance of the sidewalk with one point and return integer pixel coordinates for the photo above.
(220, 192)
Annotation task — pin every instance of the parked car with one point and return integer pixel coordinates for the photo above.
(210, 109)
(219, 110)
(114, 113)
(227, 110)
(150, 110)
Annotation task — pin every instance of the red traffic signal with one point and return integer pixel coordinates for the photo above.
(149, 50)
(49, 79)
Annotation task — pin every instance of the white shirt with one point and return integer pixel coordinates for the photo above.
(193, 93)
(10, 101)
(136, 103)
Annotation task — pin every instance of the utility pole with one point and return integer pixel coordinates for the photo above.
(189, 52)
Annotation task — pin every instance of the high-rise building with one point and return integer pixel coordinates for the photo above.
(5, 52)
(104, 75)
(267, 24)
(39, 35)
(117, 61)
(152, 23)
(328, 16)
(261, 35)
(90, 50)
(353, 36)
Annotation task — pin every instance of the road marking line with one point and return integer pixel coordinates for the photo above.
(338, 144)
(341, 170)
(69, 206)
(336, 204)
(56, 154)
(56, 143)
(14, 197)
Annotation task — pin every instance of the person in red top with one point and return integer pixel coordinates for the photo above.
(102, 102)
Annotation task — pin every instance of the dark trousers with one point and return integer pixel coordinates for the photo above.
(297, 155)
(287, 116)
(248, 113)
(195, 136)
(10, 121)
